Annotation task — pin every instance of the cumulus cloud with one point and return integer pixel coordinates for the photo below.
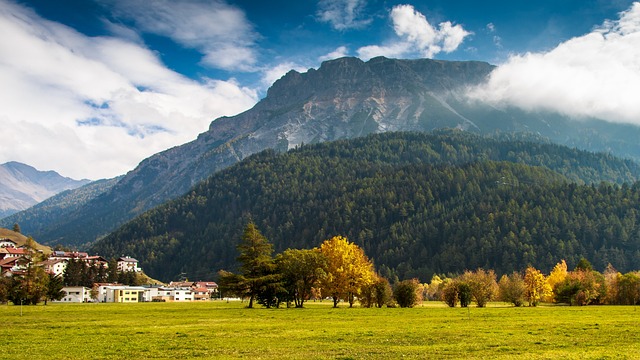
(339, 52)
(417, 36)
(343, 14)
(94, 107)
(594, 75)
(221, 32)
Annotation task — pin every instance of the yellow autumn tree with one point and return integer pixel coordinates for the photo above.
(536, 286)
(557, 275)
(348, 270)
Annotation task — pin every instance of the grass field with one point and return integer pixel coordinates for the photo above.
(227, 330)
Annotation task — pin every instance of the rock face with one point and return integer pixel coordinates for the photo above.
(344, 98)
(22, 186)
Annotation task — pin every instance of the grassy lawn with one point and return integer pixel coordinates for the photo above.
(227, 330)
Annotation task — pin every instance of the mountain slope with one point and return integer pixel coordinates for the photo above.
(22, 186)
(57, 209)
(20, 239)
(412, 201)
(344, 98)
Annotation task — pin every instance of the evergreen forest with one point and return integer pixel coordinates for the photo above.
(418, 204)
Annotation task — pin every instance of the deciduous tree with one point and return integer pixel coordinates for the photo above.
(557, 275)
(483, 285)
(536, 286)
(512, 289)
(301, 270)
(348, 270)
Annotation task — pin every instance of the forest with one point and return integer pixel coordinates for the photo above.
(417, 204)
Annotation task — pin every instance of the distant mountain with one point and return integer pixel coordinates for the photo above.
(22, 186)
(344, 98)
(56, 210)
(417, 203)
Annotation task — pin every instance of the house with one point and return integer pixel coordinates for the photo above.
(201, 294)
(76, 294)
(6, 243)
(173, 294)
(126, 263)
(8, 266)
(9, 252)
(55, 267)
(122, 294)
(212, 287)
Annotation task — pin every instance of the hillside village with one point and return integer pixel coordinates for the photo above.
(15, 259)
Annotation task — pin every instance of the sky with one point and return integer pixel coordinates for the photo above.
(92, 87)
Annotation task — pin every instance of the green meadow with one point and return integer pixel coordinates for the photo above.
(224, 330)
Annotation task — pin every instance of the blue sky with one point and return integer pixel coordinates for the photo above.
(91, 87)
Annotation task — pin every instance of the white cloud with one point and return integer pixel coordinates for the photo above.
(272, 74)
(594, 75)
(339, 52)
(95, 107)
(395, 50)
(417, 36)
(343, 14)
(218, 30)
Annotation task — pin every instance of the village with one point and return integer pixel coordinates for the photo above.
(14, 261)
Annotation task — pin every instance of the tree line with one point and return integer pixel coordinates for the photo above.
(581, 286)
(340, 270)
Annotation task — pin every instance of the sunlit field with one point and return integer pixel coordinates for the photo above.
(228, 330)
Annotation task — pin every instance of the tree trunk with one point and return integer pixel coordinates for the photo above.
(335, 301)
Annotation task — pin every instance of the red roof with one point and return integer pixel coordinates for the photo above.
(16, 251)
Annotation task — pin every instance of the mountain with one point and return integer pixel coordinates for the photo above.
(417, 203)
(55, 211)
(22, 186)
(344, 98)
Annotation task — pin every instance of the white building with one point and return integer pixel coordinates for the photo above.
(76, 294)
(55, 267)
(173, 294)
(126, 263)
(5, 243)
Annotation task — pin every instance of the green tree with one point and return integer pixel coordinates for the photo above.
(73, 272)
(112, 271)
(407, 293)
(54, 288)
(5, 288)
(16, 228)
(465, 293)
(257, 269)
(301, 270)
(449, 292)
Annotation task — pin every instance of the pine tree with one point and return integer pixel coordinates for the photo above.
(258, 267)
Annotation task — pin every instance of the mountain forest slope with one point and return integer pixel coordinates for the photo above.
(344, 98)
(417, 204)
